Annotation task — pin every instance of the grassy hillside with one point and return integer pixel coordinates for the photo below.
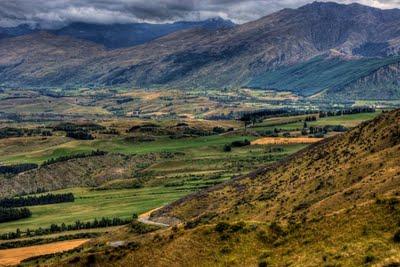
(332, 204)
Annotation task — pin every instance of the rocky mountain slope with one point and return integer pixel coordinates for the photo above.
(335, 203)
(245, 55)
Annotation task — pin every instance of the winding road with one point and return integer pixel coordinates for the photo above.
(145, 218)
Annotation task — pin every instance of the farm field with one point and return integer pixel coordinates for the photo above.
(285, 141)
(294, 123)
(16, 255)
(90, 204)
(203, 164)
(37, 150)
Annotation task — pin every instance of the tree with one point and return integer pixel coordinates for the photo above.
(227, 148)
(304, 131)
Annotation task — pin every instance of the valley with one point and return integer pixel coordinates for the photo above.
(325, 204)
(199, 133)
(139, 163)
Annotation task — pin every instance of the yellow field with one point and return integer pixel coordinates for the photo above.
(16, 255)
(285, 141)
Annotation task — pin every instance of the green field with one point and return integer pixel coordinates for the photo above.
(294, 123)
(34, 150)
(90, 204)
(202, 163)
(40, 153)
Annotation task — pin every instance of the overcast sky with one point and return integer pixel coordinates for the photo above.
(55, 13)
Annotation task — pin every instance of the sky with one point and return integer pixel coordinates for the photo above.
(58, 13)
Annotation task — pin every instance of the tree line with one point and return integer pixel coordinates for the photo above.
(78, 225)
(79, 131)
(17, 168)
(23, 167)
(74, 156)
(258, 115)
(71, 127)
(355, 110)
(19, 132)
(79, 135)
(36, 200)
(11, 214)
(239, 143)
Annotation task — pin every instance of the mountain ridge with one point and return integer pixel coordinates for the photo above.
(231, 57)
(114, 36)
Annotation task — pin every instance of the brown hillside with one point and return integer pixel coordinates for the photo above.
(334, 174)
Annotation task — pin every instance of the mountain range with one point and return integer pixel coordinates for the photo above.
(114, 36)
(322, 49)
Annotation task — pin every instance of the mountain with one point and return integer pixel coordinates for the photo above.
(19, 30)
(319, 41)
(367, 78)
(126, 35)
(335, 203)
(115, 36)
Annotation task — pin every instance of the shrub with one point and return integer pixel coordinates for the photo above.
(227, 148)
(263, 236)
(245, 142)
(396, 237)
(221, 227)
(226, 250)
(141, 228)
(369, 258)
(191, 224)
(218, 130)
(80, 135)
(237, 227)
(277, 229)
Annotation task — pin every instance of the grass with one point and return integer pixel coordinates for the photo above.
(90, 204)
(203, 164)
(296, 122)
(117, 145)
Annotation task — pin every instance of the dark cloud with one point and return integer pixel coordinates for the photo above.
(54, 13)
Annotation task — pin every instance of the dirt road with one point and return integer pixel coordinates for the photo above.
(145, 218)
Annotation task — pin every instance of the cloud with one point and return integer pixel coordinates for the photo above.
(55, 13)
